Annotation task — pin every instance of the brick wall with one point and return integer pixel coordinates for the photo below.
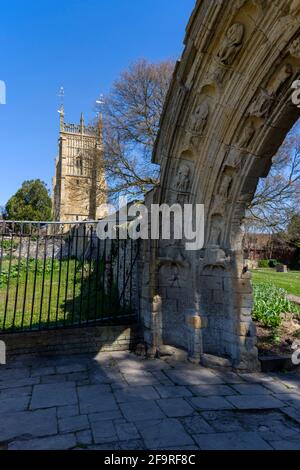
(73, 341)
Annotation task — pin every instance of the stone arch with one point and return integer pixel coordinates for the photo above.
(229, 108)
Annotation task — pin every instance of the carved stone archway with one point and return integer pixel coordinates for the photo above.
(227, 112)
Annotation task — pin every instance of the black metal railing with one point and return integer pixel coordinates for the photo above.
(55, 275)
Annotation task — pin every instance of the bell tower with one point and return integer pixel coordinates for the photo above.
(79, 185)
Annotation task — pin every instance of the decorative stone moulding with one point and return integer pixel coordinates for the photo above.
(217, 137)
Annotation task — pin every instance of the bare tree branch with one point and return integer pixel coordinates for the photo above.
(131, 118)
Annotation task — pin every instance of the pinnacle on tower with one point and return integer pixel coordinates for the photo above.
(82, 122)
(62, 117)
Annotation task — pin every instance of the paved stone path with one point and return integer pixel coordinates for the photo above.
(120, 401)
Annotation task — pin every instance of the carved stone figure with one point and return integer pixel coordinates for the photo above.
(174, 275)
(294, 49)
(183, 179)
(218, 207)
(174, 251)
(216, 231)
(285, 72)
(216, 258)
(199, 118)
(233, 160)
(261, 107)
(232, 43)
(246, 136)
(225, 185)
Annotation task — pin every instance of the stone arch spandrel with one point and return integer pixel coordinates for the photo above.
(229, 108)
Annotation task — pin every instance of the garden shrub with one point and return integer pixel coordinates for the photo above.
(267, 263)
(270, 302)
(263, 263)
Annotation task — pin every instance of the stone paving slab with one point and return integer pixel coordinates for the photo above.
(84, 438)
(53, 379)
(196, 377)
(118, 401)
(286, 444)
(232, 441)
(104, 431)
(34, 423)
(255, 402)
(197, 425)
(57, 442)
(291, 399)
(211, 390)
(48, 395)
(15, 403)
(293, 413)
(136, 393)
(127, 431)
(15, 392)
(278, 387)
(73, 424)
(92, 399)
(18, 383)
(250, 389)
(159, 434)
(67, 411)
(40, 371)
(175, 407)
(210, 403)
(141, 410)
(167, 391)
(105, 415)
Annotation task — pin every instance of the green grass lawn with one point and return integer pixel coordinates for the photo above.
(289, 281)
(59, 293)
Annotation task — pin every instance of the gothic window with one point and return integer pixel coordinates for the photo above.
(79, 165)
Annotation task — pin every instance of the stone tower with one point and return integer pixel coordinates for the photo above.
(79, 183)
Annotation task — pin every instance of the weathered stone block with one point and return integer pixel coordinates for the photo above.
(196, 322)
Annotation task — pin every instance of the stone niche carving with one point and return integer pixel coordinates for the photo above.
(221, 198)
(172, 274)
(246, 136)
(217, 226)
(183, 179)
(294, 49)
(232, 44)
(196, 126)
(261, 106)
(199, 118)
(173, 251)
(230, 47)
(233, 159)
(285, 72)
(215, 258)
(225, 185)
(218, 207)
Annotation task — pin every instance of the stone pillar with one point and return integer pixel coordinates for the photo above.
(194, 327)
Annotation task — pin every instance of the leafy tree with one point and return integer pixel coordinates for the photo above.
(31, 202)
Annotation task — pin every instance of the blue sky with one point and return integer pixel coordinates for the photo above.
(82, 45)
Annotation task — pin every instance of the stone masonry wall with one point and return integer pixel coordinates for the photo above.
(73, 341)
